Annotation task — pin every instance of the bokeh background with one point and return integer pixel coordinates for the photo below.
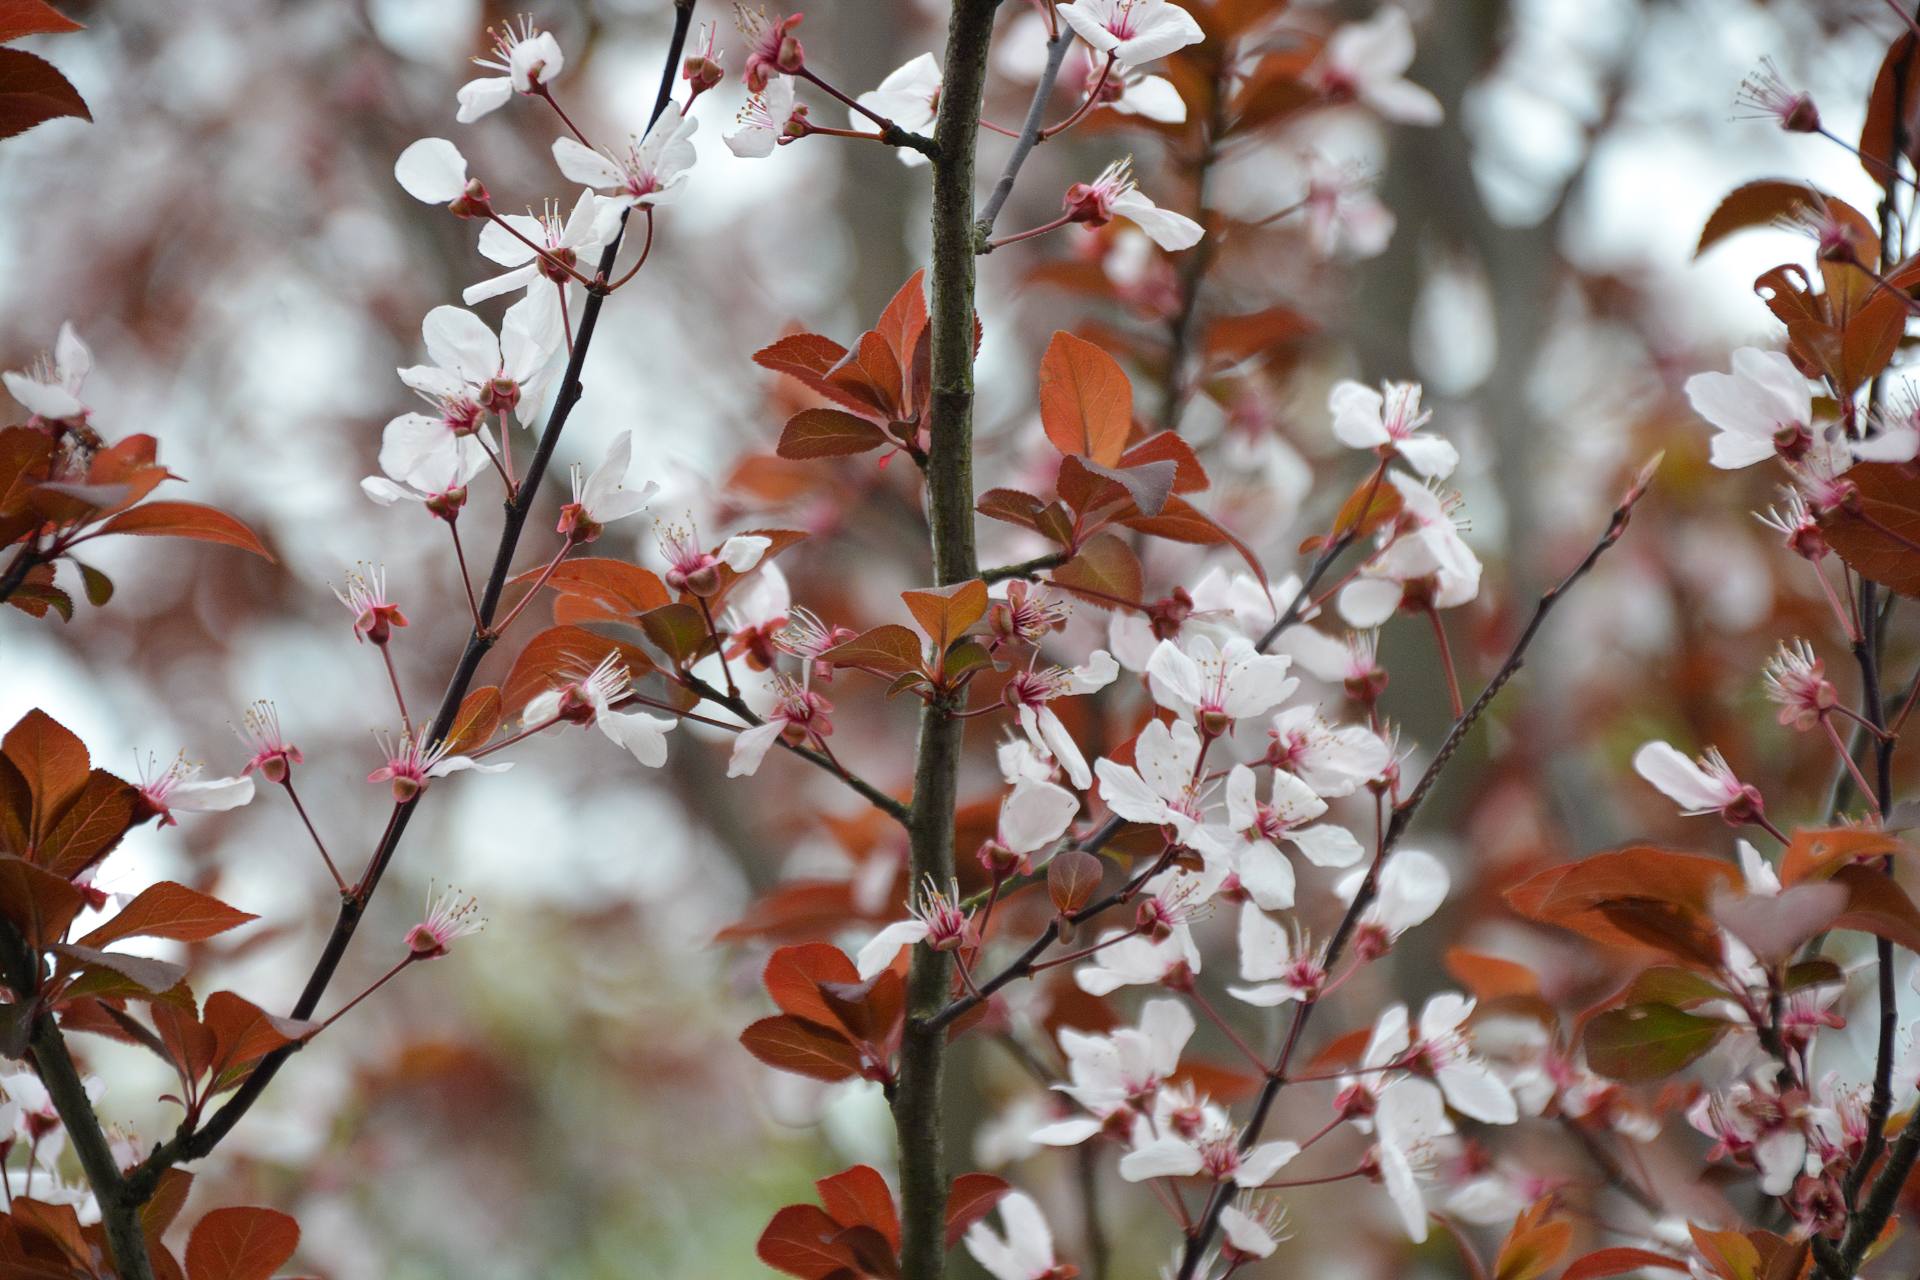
(564, 1096)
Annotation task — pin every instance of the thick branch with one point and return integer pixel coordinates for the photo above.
(949, 472)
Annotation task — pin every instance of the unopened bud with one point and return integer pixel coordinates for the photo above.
(474, 202)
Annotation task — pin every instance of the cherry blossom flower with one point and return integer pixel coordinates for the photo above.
(1443, 1054)
(1019, 762)
(1409, 1120)
(1423, 561)
(1797, 680)
(1758, 1125)
(1029, 692)
(527, 59)
(1034, 815)
(1707, 785)
(1025, 1252)
(1286, 964)
(1352, 663)
(1160, 787)
(1185, 1144)
(410, 766)
(1108, 1074)
(590, 700)
(1412, 885)
(432, 170)
(1389, 420)
(445, 501)
(936, 919)
(450, 916)
(1761, 409)
(1247, 844)
(910, 97)
(1344, 217)
(692, 568)
(1115, 194)
(1766, 95)
(1366, 62)
(365, 596)
(50, 390)
(179, 787)
(756, 615)
(798, 714)
(602, 496)
(1333, 760)
(1221, 605)
(1252, 1229)
(702, 69)
(1135, 32)
(772, 48)
(590, 227)
(768, 119)
(1213, 685)
(1798, 525)
(1025, 613)
(648, 173)
(273, 756)
(1163, 952)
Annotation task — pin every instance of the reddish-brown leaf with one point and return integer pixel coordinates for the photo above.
(1570, 896)
(1758, 204)
(243, 1033)
(1815, 853)
(1896, 79)
(1619, 1261)
(1236, 338)
(169, 910)
(1878, 533)
(1168, 446)
(32, 18)
(38, 903)
(625, 590)
(33, 92)
(187, 520)
(53, 762)
(241, 1244)
(1877, 905)
(971, 1198)
(1490, 978)
(787, 1043)
(16, 809)
(1073, 877)
(800, 1241)
(1086, 401)
(1013, 506)
(859, 1197)
(793, 976)
(90, 827)
(889, 647)
(560, 654)
(477, 720)
(945, 613)
(1105, 573)
(828, 433)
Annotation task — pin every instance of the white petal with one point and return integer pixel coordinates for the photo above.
(743, 551)
(1267, 876)
(1161, 1158)
(482, 97)
(432, 170)
(1036, 814)
(460, 340)
(1260, 1164)
(751, 747)
(643, 735)
(586, 166)
(1678, 778)
(1171, 231)
(1327, 845)
(1066, 1133)
(886, 944)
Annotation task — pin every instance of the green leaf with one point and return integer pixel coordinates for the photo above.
(1648, 1041)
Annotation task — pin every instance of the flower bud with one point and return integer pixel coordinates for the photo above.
(446, 506)
(702, 72)
(474, 202)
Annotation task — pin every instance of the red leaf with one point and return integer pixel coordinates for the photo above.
(1571, 896)
(800, 1242)
(90, 827)
(241, 1244)
(1876, 535)
(1896, 78)
(54, 764)
(1758, 204)
(1167, 446)
(625, 590)
(1073, 877)
(476, 721)
(243, 1033)
(808, 358)
(1105, 573)
(827, 433)
(971, 1198)
(38, 903)
(793, 976)
(32, 92)
(1876, 905)
(1618, 1262)
(945, 613)
(1816, 853)
(169, 910)
(858, 1197)
(32, 18)
(1490, 978)
(1086, 402)
(1181, 521)
(186, 520)
(890, 647)
(1236, 338)
(787, 1043)
(560, 654)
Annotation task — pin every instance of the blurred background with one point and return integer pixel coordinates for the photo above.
(564, 1096)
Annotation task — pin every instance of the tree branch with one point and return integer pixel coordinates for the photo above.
(1030, 131)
